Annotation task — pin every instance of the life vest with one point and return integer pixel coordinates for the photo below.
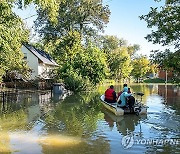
(109, 94)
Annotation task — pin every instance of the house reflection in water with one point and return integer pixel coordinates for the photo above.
(170, 93)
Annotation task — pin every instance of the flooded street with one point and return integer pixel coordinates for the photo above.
(79, 124)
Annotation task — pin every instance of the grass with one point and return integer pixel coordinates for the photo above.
(155, 80)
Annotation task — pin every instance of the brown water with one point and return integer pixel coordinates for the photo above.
(79, 124)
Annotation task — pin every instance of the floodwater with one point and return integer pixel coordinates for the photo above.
(78, 124)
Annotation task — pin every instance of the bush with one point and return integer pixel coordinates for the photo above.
(74, 81)
(155, 80)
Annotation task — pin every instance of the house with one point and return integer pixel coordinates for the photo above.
(162, 74)
(39, 62)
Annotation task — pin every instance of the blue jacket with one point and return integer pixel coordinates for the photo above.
(123, 97)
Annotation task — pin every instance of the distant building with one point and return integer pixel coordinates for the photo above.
(151, 75)
(39, 62)
(162, 74)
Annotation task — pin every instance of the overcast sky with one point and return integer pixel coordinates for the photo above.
(124, 21)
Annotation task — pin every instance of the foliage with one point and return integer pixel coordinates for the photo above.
(111, 43)
(174, 64)
(119, 56)
(83, 16)
(91, 62)
(168, 61)
(51, 6)
(132, 49)
(166, 21)
(140, 67)
(120, 63)
(12, 34)
(174, 61)
(67, 27)
(153, 68)
(80, 67)
(156, 80)
(160, 58)
(64, 51)
(66, 48)
(73, 80)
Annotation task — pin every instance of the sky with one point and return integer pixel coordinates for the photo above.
(124, 21)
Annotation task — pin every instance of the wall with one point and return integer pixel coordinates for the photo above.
(32, 61)
(162, 74)
(44, 69)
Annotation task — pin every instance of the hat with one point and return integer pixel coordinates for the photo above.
(125, 89)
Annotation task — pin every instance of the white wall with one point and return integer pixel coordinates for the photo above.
(44, 70)
(32, 61)
(38, 69)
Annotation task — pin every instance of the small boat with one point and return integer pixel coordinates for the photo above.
(112, 116)
(139, 108)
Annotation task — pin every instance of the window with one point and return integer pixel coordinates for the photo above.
(25, 56)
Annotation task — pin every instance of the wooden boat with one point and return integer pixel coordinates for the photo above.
(139, 108)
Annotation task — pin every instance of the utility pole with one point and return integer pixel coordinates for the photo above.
(166, 77)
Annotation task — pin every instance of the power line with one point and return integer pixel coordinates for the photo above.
(30, 16)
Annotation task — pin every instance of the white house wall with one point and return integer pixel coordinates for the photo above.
(32, 61)
(44, 70)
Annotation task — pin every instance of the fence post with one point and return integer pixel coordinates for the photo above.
(3, 97)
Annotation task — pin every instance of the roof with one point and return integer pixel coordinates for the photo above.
(41, 55)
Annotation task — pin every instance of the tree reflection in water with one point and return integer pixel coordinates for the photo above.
(79, 124)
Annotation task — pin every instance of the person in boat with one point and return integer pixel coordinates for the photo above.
(124, 85)
(122, 100)
(130, 101)
(129, 91)
(110, 95)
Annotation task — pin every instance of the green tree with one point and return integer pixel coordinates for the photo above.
(109, 43)
(153, 69)
(140, 67)
(120, 63)
(91, 63)
(166, 22)
(168, 61)
(79, 66)
(51, 6)
(161, 58)
(73, 15)
(167, 27)
(132, 49)
(64, 50)
(12, 34)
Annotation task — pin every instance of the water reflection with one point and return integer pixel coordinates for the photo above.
(4, 142)
(125, 124)
(171, 96)
(80, 124)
